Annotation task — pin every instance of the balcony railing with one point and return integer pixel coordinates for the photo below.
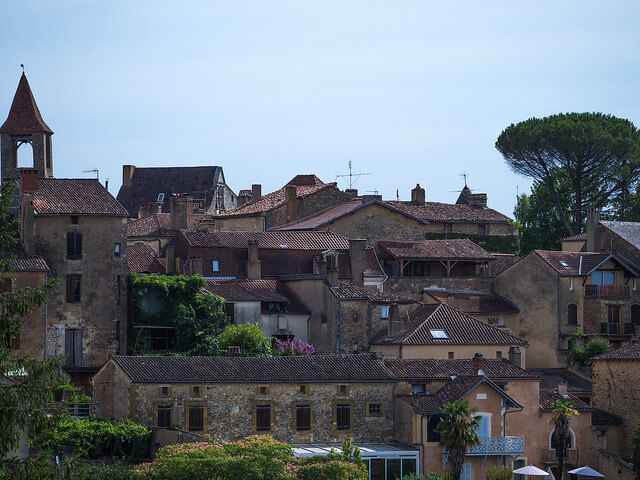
(549, 456)
(617, 328)
(79, 410)
(621, 291)
(498, 446)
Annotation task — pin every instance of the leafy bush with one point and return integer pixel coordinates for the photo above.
(578, 356)
(293, 347)
(248, 337)
(426, 476)
(102, 472)
(95, 438)
(500, 473)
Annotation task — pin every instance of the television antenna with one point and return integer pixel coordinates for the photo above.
(353, 177)
(95, 170)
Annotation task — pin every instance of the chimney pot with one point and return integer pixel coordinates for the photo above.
(478, 364)
(253, 263)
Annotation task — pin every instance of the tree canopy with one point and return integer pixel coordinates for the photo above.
(598, 153)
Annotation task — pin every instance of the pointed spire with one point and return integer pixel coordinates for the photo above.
(24, 116)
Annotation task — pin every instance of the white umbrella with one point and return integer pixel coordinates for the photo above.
(586, 471)
(530, 470)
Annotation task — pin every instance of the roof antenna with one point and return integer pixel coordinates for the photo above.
(22, 65)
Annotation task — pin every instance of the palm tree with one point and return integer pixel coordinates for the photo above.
(562, 411)
(458, 431)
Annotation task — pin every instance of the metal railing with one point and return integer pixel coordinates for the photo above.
(606, 291)
(617, 328)
(79, 409)
(498, 446)
(549, 456)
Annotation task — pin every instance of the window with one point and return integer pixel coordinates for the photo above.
(303, 417)
(466, 472)
(451, 355)
(432, 423)
(484, 427)
(499, 354)
(195, 391)
(73, 347)
(448, 227)
(395, 269)
(74, 245)
(635, 314)
(263, 390)
(375, 409)
(164, 391)
(385, 311)
(302, 389)
(572, 314)
(116, 249)
(73, 288)
(482, 229)
(603, 277)
(553, 441)
(438, 334)
(74, 220)
(343, 417)
(516, 465)
(418, 388)
(613, 313)
(160, 198)
(164, 416)
(230, 311)
(215, 266)
(196, 418)
(342, 390)
(263, 418)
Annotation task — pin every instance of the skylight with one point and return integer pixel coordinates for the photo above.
(160, 197)
(564, 264)
(435, 333)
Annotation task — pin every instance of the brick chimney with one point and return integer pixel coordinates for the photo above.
(27, 223)
(234, 351)
(357, 259)
(254, 270)
(256, 192)
(181, 208)
(593, 230)
(291, 199)
(478, 364)
(352, 191)
(244, 197)
(562, 389)
(29, 180)
(417, 195)
(332, 269)
(127, 173)
(515, 356)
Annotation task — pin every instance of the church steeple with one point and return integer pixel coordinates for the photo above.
(25, 125)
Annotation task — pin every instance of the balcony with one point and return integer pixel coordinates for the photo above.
(612, 291)
(498, 446)
(548, 456)
(617, 328)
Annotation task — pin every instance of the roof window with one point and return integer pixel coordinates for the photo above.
(564, 264)
(160, 197)
(436, 333)
(284, 245)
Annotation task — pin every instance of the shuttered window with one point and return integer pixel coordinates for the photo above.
(343, 417)
(74, 245)
(73, 347)
(303, 417)
(73, 288)
(572, 314)
(164, 416)
(196, 417)
(263, 417)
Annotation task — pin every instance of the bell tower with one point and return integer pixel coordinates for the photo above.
(25, 125)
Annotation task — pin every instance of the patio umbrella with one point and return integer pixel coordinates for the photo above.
(586, 471)
(530, 470)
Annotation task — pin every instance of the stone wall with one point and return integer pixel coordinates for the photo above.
(413, 287)
(472, 228)
(612, 466)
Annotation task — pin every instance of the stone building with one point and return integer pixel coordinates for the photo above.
(559, 293)
(142, 258)
(146, 191)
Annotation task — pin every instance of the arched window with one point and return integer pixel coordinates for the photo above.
(635, 313)
(572, 314)
(570, 446)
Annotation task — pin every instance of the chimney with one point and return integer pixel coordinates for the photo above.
(593, 230)
(319, 265)
(357, 259)
(515, 356)
(332, 269)
(127, 173)
(234, 351)
(451, 300)
(291, 199)
(244, 197)
(171, 258)
(352, 191)
(196, 265)
(396, 323)
(146, 210)
(477, 200)
(478, 364)
(562, 389)
(29, 180)
(253, 263)
(27, 224)
(256, 192)
(181, 208)
(417, 195)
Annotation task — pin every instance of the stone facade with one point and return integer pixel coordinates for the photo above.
(413, 287)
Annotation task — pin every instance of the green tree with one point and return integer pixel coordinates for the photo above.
(248, 336)
(458, 430)
(598, 153)
(562, 411)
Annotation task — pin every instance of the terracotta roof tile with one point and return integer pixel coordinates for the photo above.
(142, 259)
(315, 368)
(263, 290)
(345, 291)
(474, 302)
(24, 116)
(156, 225)
(75, 196)
(549, 395)
(459, 328)
(455, 249)
(630, 352)
(573, 264)
(22, 262)
(451, 213)
(268, 240)
(439, 369)
(501, 261)
(580, 237)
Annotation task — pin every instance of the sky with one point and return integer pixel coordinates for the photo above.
(408, 91)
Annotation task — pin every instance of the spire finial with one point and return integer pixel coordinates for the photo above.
(22, 65)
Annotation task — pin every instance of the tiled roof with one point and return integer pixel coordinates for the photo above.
(628, 231)
(22, 262)
(450, 213)
(573, 264)
(549, 395)
(142, 259)
(315, 368)
(156, 225)
(75, 196)
(147, 183)
(305, 181)
(372, 264)
(502, 261)
(344, 291)
(580, 237)
(460, 329)
(268, 240)
(630, 352)
(440, 369)
(24, 116)
(274, 200)
(474, 302)
(455, 249)
(263, 290)
(552, 377)
(335, 212)
(601, 417)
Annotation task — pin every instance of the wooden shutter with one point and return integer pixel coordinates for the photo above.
(343, 417)
(70, 294)
(164, 417)
(196, 419)
(77, 347)
(78, 238)
(263, 417)
(70, 245)
(303, 417)
(68, 347)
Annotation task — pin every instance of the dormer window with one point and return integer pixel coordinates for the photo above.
(438, 334)
(160, 198)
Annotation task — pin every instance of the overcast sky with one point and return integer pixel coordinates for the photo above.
(409, 91)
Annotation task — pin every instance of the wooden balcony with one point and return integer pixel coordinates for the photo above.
(617, 329)
(611, 291)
